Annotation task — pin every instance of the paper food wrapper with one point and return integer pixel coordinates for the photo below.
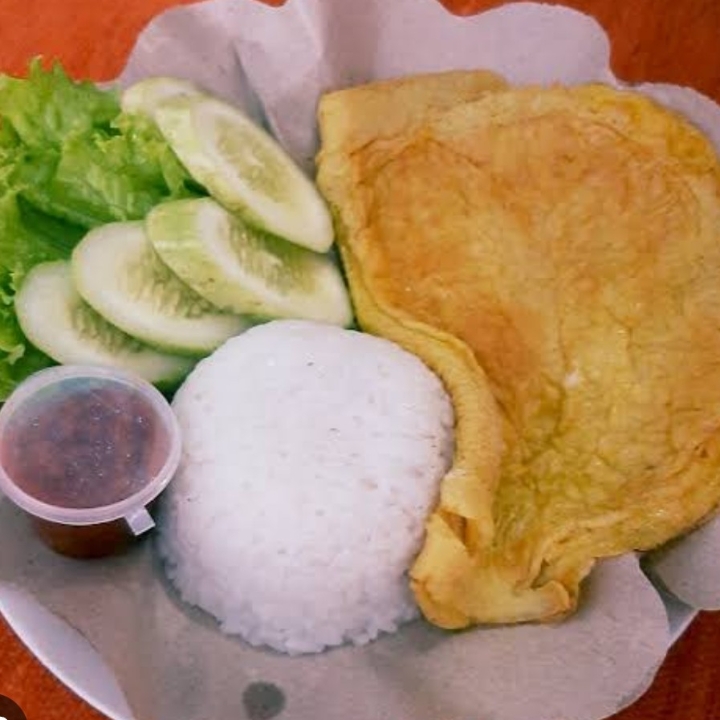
(171, 660)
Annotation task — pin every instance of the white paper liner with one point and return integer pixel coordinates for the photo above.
(173, 662)
(170, 659)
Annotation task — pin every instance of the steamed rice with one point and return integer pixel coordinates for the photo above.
(312, 456)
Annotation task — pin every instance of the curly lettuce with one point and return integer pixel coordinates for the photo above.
(70, 160)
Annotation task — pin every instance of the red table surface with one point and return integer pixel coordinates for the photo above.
(659, 40)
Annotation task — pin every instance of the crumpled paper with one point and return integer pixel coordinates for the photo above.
(170, 659)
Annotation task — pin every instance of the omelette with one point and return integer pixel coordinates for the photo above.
(553, 253)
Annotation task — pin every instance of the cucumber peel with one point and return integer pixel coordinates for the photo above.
(145, 96)
(117, 272)
(55, 319)
(245, 169)
(240, 269)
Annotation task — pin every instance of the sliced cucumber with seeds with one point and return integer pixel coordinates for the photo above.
(54, 318)
(117, 272)
(245, 169)
(242, 270)
(144, 96)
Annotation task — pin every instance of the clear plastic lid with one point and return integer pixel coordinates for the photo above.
(87, 445)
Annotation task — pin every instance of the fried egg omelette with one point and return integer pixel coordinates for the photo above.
(554, 255)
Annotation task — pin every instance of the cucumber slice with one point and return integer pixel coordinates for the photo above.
(245, 169)
(242, 270)
(117, 272)
(144, 96)
(54, 318)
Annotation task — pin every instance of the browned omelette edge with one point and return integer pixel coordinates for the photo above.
(472, 473)
(457, 525)
(459, 531)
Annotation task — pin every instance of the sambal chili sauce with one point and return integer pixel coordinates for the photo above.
(91, 447)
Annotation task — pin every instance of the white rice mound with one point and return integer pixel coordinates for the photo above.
(312, 457)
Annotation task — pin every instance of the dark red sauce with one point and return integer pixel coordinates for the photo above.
(84, 447)
(85, 541)
(81, 444)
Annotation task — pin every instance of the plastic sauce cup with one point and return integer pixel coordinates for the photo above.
(85, 451)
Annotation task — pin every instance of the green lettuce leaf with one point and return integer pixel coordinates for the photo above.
(69, 160)
(48, 106)
(105, 176)
(26, 239)
(78, 157)
(18, 358)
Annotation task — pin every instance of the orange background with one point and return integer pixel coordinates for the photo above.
(663, 40)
